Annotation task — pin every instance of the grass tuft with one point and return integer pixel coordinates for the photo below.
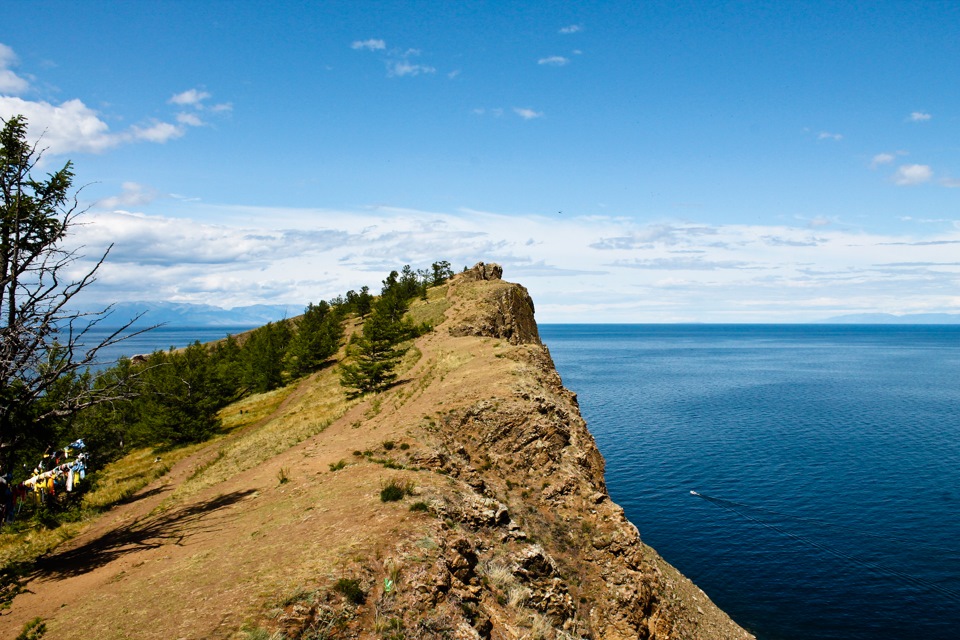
(395, 490)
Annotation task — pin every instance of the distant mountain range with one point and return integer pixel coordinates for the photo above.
(889, 318)
(181, 314)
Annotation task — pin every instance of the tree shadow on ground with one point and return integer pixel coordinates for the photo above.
(151, 532)
(140, 495)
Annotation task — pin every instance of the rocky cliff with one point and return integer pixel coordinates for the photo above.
(503, 527)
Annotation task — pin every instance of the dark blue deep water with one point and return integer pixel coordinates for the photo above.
(830, 454)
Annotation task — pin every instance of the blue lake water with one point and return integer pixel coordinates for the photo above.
(831, 455)
(162, 338)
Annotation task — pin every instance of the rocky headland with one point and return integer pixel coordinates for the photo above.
(503, 527)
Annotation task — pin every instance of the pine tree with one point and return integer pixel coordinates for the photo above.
(375, 354)
(317, 337)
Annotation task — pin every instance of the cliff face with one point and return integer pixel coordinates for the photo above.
(525, 541)
(505, 529)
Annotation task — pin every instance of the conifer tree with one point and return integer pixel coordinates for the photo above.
(375, 354)
(317, 337)
(44, 345)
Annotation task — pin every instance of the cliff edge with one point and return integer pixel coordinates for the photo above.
(499, 525)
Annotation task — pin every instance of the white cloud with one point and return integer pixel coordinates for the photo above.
(573, 28)
(912, 174)
(919, 116)
(190, 119)
(370, 45)
(158, 132)
(10, 82)
(527, 114)
(403, 67)
(881, 159)
(70, 126)
(193, 97)
(556, 61)
(399, 65)
(603, 268)
(132, 195)
(826, 135)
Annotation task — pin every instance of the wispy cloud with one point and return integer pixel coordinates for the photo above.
(912, 174)
(132, 195)
(573, 28)
(496, 112)
(826, 135)
(919, 116)
(881, 159)
(192, 97)
(623, 270)
(196, 99)
(10, 82)
(372, 44)
(189, 119)
(399, 62)
(527, 114)
(403, 67)
(554, 61)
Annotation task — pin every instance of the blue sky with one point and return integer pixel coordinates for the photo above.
(625, 161)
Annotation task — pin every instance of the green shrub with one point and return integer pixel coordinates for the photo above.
(33, 630)
(394, 491)
(336, 466)
(420, 506)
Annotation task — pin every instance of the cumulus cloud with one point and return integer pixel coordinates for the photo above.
(912, 174)
(527, 114)
(554, 61)
(919, 116)
(10, 82)
(68, 127)
(370, 45)
(72, 126)
(573, 28)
